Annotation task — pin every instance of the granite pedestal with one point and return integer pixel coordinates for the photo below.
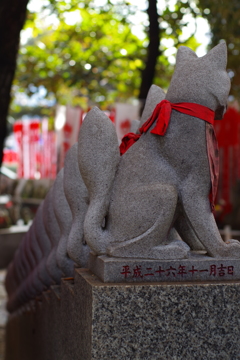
(196, 268)
(85, 319)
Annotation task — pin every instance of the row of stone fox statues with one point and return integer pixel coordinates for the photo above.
(152, 202)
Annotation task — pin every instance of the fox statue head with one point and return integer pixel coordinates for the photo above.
(201, 80)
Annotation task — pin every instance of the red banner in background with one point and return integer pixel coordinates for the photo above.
(36, 149)
(67, 124)
(125, 114)
(34, 145)
(228, 136)
(18, 131)
(48, 163)
(41, 153)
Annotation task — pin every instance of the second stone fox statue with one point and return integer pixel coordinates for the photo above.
(141, 202)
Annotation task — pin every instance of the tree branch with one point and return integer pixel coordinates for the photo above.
(152, 50)
(12, 17)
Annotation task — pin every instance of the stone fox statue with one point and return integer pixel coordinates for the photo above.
(162, 182)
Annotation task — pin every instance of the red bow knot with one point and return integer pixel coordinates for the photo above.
(162, 114)
(127, 141)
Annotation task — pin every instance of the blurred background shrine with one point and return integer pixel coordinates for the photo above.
(34, 153)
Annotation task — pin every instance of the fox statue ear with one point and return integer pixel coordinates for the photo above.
(218, 56)
(184, 54)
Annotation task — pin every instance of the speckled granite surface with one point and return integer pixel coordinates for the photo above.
(150, 321)
(196, 268)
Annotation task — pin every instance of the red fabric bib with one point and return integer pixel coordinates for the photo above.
(162, 114)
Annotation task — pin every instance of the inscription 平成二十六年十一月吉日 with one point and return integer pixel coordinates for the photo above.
(139, 272)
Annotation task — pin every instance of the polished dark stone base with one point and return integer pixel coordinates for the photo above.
(87, 319)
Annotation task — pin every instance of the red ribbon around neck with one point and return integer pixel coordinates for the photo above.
(162, 115)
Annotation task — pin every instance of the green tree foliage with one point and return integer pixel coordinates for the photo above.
(224, 20)
(98, 57)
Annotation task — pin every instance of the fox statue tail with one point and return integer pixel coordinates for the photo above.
(98, 156)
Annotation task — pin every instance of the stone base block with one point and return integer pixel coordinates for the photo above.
(196, 268)
(87, 319)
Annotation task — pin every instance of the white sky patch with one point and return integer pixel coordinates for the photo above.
(137, 30)
(172, 59)
(139, 19)
(36, 5)
(203, 36)
(72, 17)
(88, 66)
(189, 29)
(37, 99)
(25, 35)
(141, 4)
(170, 51)
(123, 52)
(200, 29)
(163, 4)
(99, 3)
(41, 45)
(167, 43)
(46, 19)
